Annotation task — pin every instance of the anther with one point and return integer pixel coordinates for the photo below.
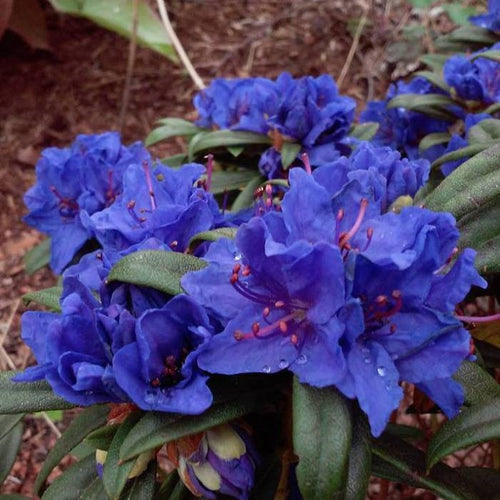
(236, 268)
(258, 192)
(233, 279)
(246, 271)
(307, 163)
(269, 190)
(238, 335)
(279, 304)
(155, 382)
(294, 339)
(174, 244)
(255, 328)
(266, 311)
(283, 327)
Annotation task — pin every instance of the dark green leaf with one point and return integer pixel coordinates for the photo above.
(474, 425)
(434, 61)
(236, 150)
(466, 152)
(37, 257)
(322, 431)
(155, 428)
(267, 479)
(9, 445)
(478, 385)
(142, 487)
(28, 397)
(101, 438)
(180, 492)
(406, 432)
(430, 104)
(470, 35)
(94, 491)
(214, 234)
(13, 496)
(116, 472)
(8, 422)
(435, 78)
(117, 15)
(155, 269)
(48, 297)
(485, 131)
(245, 198)
(485, 481)
(85, 422)
(289, 152)
(232, 180)
(488, 256)
(224, 138)
(168, 485)
(73, 482)
(171, 127)
(364, 131)
(494, 55)
(175, 160)
(431, 140)
(360, 459)
(82, 450)
(400, 462)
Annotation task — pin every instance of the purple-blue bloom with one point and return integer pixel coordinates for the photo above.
(491, 20)
(74, 183)
(340, 295)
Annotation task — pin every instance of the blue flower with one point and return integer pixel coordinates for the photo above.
(400, 128)
(491, 20)
(474, 80)
(340, 295)
(73, 183)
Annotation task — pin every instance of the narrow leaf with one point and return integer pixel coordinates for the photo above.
(37, 257)
(493, 55)
(245, 199)
(424, 103)
(289, 152)
(48, 297)
(236, 150)
(28, 397)
(435, 78)
(214, 234)
(9, 445)
(364, 131)
(431, 140)
(474, 425)
(171, 127)
(485, 131)
(231, 180)
(479, 386)
(8, 422)
(155, 269)
(94, 491)
(322, 432)
(85, 422)
(101, 438)
(434, 61)
(466, 152)
(142, 487)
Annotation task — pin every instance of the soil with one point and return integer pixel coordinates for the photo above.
(48, 97)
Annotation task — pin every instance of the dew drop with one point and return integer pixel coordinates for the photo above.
(283, 364)
(302, 359)
(266, 369)
(381, 371)
(237, 256)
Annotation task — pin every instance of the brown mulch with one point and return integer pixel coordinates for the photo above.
(47, 98)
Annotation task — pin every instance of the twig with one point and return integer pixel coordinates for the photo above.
(354, 47)
(130, 66)
(178, 46)
(7, 325)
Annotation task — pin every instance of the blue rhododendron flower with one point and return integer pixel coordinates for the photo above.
(341, 295)
(400, 128)
(491, 20)
(474, 80)
(76, 182)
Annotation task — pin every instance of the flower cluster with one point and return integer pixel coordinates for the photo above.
(307, 110)
(491, 20)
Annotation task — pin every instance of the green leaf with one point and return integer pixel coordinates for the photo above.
(421, 4)
(434, 61)
(74, 481)
(228, 180)
(494, 55)
(8, 422)
(322, 431)
(479, 386)
(28, 397)
(155, 269)
(116, 471)
(171, 127)
(466, 152)
(360, 458)
(459, 14)
(364, 131)
(156, 428)
(48, 297)
(434, 105)
(406, 432)
(434, 139)
(9, 445)
(469, 35)
(94, 491)
(85, 422)
(485, 131)
(468, 187)
(175, 160)
(236, 150)
(400, 462)
(142, 487)
(436, 79)
(474, 425)
(13, 496)
(101, 438)
(214, 234)
(289, 152)
(168, 485)
(245, 199)
(37, 257)
(494, 108)
(223, 138)
(484, 480)
(117, 15)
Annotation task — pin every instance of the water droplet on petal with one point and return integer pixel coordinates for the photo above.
(381, 371)
(237, 256)
(266, 369)
(302, 359)
(283, 364)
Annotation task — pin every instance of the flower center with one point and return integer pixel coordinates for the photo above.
(171, 373)
(68, 207)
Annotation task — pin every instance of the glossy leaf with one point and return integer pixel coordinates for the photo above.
(116, 471)
(48, 297)
(473, 425)
(214, 235)
(117, 15)
(322, 432)
(364, 131)
(8, 422)
(155, 428)
(9, 445)
(37, 257)
(479, 386)
(85, 422)
(155, 269)
(74, 481)
(289, 152)
(171, 127)
(434, 139)
(207, 141)
(28, 397)
(246, 198)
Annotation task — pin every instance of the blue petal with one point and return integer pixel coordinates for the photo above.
(446, 393)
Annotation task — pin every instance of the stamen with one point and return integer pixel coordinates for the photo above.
(354, 229)
(149, 183)
(131, 211)
(369, 236)
(210, 169)
(307, 163)
(266, 311)
(479, 319)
